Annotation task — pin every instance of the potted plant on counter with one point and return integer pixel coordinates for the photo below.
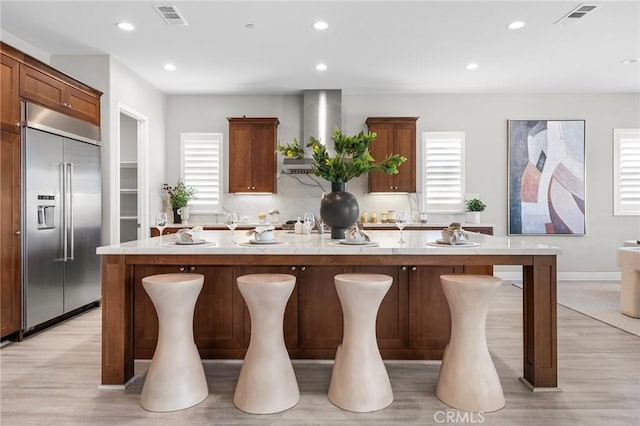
(339, 209)
(474, 207)
(179, 197)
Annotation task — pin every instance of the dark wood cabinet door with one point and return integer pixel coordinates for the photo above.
(10, 237)
(396, 135)
(83, 105)
(430, 328)
(392, 324)
(290, 325)
(252, 154)
(263, 158)
(240, 158)
(41, 88)
(404, 143)
(319, 312)
(9, 94)
(218, 316)
(379, 149)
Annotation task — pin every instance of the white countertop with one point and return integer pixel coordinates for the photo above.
(366, 225)
(220, 242)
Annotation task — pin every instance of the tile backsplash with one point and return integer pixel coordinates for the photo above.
(298, 193)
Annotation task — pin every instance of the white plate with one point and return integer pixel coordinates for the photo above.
(185, 244)
(459, 243)
(258, 244)
(355, 242)
(261, 242)
(342, 244)
(190, 243)
(441, 243)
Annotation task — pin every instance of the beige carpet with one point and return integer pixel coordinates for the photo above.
(598, 299)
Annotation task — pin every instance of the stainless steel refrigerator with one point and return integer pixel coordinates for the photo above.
(61, 214)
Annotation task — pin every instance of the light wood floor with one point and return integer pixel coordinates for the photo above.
(52, 378)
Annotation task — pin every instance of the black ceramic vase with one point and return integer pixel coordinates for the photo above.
(339, 209)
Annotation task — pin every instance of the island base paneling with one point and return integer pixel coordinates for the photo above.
(313, 318)
(413, 321)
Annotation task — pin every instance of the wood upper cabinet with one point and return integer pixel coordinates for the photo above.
(52, 92)
(9, 95)
(252, 154)
(10, 236)
(396, 135)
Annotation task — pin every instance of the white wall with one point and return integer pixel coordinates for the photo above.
(23, 46)
(129, 90)
(482, 117)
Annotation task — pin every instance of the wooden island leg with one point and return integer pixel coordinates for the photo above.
(540, 327)
(117, 324)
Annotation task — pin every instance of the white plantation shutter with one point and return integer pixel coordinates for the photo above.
(443, 167)
(626, 169)
(201, 158)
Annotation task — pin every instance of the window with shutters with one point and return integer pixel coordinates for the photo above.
(626, 172)
(443, 171)
(200, 159)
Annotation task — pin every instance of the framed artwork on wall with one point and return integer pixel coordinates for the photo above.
(546, 177)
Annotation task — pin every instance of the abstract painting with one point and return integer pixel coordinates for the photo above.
(546, 177)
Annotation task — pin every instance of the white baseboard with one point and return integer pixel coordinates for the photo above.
(567, 276)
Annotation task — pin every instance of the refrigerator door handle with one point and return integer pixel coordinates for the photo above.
(71, 227)
(63, 202)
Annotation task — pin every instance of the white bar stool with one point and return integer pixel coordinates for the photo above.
(176, 378)
(359, 380)
(267, 382)
(468, 379)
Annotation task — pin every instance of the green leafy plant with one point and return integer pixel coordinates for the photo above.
(180, 194)
(475, 205)
(292, 150)
(352, 158)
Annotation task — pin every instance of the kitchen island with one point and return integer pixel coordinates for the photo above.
(413, 321)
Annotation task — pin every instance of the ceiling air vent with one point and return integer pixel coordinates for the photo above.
(577, 13)
(171, 15)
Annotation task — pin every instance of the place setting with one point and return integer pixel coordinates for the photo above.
(263, 236)
(354, 237)
(454, 236)
(187, 238)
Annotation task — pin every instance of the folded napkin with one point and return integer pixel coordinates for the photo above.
(184, 236)
(356, 234)
(259, 230)
(454, 234)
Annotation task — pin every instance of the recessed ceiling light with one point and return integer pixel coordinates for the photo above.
(169, 67)
(516, 25)
(320, 25)
(250, 26)
(321, 67)
(630, 61)
(472, 66)
(125, 26)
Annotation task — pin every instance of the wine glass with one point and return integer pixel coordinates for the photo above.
(309, 221)
(232, 223)
(161, 222)
(401, 221)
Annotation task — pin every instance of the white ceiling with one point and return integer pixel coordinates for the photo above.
(370, 46)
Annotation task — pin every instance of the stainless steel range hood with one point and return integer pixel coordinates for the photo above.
(322, 112)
